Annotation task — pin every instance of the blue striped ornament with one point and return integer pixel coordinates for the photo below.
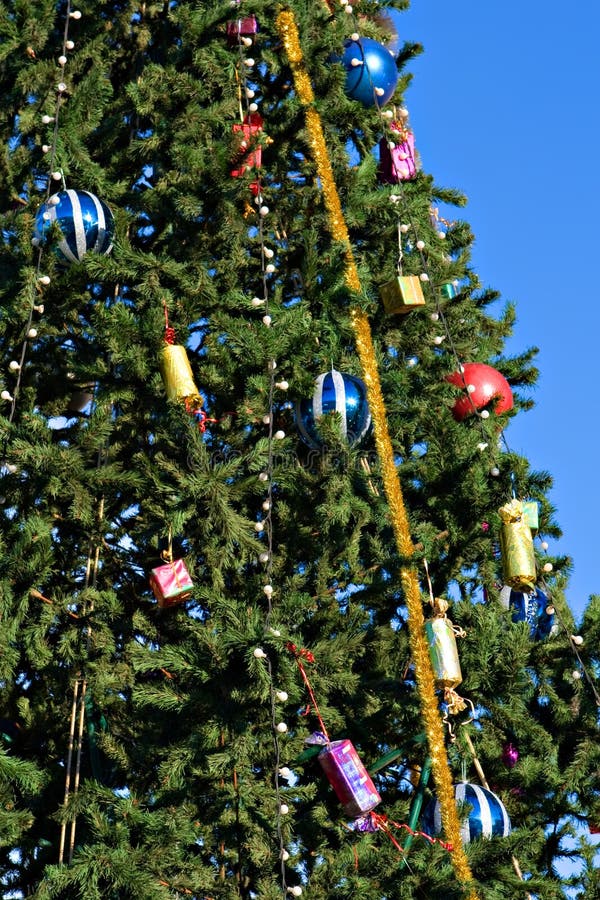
(335, 393)
(487, 817)
(86, 225)
(530, 608)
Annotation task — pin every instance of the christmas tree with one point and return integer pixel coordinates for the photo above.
(272, 580)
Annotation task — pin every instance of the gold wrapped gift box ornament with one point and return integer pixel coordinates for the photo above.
(178, 377)
(516, 544)
(402, 294)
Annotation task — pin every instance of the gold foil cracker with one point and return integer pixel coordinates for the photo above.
(178, 377)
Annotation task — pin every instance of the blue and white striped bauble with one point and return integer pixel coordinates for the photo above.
(85, 222)
(531, 608)
(487, 818)
(335, 393)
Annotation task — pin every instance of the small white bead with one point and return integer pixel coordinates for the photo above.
(247, 41)
(282, 728)
(259, 526)
(438, 339)
(62, 60)
(263, 476)
(10, 468)
(576, 675)
(404, 228)
(56, 176)
(403, 113)
(258, 301)
(355, 62)
(272, 364)
(69, 45)
(545, 545)
(550, 610)
(268, 252)
(282, 385)
(391, 145)
(435, 317)
(379, 91)
(5, 395)
(250, 93)
(577, 639)
(275, 632)
(270, 268)
(61, 86)
(45, 148)
(495, 471)
(485, 414)
(75, 14)
(249, 62)
(424, 276)
(267, 320)
(54, 200)
(253, 107)
(481, 446)
(263, 558)
(259, 653)
(284, 772)
(44, 279)
(279, 435)
(39, 309)
(268, 590)
(471, 388)
(282, 696)
(264, 211)
(355, 36)
(284, 809)
(266, 420)
(266, 505)
(441, 235)
(285, 855)
(47, 119)
(388, 113)
(420, 245)
(14, 365)
(348, 10)
(547, 567)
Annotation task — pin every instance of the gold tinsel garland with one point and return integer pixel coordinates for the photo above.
(288, 32)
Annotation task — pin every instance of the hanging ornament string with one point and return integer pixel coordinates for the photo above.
(300, 655)
(288, 31)
(41, 280)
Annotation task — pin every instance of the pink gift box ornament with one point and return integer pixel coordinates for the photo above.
(244, 27)
(349, 778)
(397, 164)
(171, 583)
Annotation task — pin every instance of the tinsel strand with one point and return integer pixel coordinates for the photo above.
(288, 32)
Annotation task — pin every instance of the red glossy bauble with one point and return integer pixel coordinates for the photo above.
(488, 383)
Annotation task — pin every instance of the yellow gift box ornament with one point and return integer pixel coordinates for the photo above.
(516, 544)
(404, 292)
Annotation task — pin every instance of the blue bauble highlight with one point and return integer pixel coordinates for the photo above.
(335, 393)
(374, 81)
(86, 224)
(389, 20)
(487, 817)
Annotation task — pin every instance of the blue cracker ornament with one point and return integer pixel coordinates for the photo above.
(487, 817)
(335, 393)
(373, 78)
(531, 608)
(86, 224)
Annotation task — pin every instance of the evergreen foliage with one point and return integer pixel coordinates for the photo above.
(177, 793)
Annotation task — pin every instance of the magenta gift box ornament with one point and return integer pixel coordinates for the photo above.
(247, 26)
(510, 755)
(349, 778)
(171, 583)
(397, 162)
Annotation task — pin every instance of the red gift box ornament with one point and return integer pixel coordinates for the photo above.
(243, 27)
(171, 583)
(349, 778)
(397, 163)
(249, 154)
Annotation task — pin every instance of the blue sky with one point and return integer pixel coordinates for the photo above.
(504, 105)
